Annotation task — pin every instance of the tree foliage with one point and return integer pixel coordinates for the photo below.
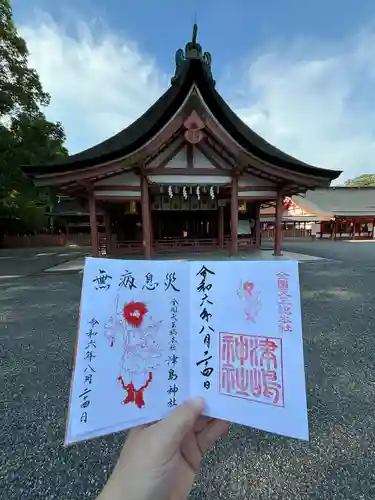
(26, 136)
(364, 180)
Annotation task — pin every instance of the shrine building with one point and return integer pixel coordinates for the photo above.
(187, 175)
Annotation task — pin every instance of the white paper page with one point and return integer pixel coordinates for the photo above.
(246, 349)
(132, 346)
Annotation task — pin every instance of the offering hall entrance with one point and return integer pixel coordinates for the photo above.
(180, 221)
(200, 224)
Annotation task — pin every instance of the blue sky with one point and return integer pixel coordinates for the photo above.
(302, 74)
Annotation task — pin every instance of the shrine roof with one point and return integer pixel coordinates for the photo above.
(339, 201)
(193, 67)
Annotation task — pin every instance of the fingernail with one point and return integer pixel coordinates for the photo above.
(197, 403)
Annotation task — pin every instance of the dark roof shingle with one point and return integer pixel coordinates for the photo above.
(145, 127)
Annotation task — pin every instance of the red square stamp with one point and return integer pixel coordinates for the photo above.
(251, 367)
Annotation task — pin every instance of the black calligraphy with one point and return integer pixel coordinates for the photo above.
(102, 281)
(173, 359)
(203, 288)
(89, 357)
(127, 280)
(169, 282)
(150, 283)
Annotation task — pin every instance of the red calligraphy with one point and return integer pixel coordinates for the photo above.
(251, 367)
(285, 308)
(282, 281)
(227, 349)
(284, 304)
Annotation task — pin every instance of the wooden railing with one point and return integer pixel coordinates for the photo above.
(124, 247)
(244, 243)
(192, 245)
(269, 234)
(173, 245)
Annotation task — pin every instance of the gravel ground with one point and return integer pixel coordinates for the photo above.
(38, 317)
(28, 261)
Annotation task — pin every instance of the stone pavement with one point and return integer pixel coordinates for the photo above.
(15, 263)
(361, 253)
(76, 265)
(38, 324)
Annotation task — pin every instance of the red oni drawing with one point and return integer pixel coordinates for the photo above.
(141, 353)
(251, 368)
(134, 313)
(250, 298)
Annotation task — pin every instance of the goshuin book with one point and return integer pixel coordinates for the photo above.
(154, 334)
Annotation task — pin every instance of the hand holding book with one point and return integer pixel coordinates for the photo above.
(161, 461)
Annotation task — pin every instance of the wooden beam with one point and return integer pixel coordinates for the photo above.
(93, 174)
(221, 148)
(256, 188)
(117, 188)
(207, 154)
(162, 150)
(115, 199)
(189, 157)
(165, 160)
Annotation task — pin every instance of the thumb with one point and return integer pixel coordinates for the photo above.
(178, 423)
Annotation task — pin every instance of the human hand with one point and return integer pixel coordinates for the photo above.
(160, 461)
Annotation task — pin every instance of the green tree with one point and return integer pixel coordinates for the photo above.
(26, 136)
(364, 180)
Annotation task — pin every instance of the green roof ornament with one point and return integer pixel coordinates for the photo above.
(193, 50)
(195, 33)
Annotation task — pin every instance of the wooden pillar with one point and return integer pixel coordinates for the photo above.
(108, 231)
(151, 230)
(221, 227)
(257, 226)
(278, 222)
(93, 226)
(66, 235)
(146, 225)
(335, 229)
(234, 217)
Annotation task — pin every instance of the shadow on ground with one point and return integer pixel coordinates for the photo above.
(38, 329)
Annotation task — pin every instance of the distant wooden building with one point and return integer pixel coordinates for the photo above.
(341, 212)
(188, 174)
(335, 212)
